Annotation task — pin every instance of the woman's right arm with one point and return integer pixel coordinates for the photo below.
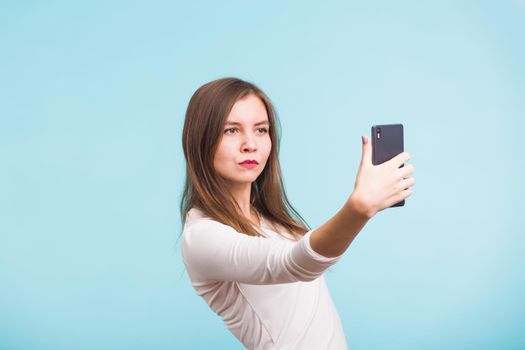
(213, 251)
(216, 252)
(376, 187)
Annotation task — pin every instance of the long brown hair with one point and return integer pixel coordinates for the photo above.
(204, 189)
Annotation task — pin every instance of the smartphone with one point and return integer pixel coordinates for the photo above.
(387, 142)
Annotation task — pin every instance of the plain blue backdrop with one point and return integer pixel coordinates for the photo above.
(92, 103)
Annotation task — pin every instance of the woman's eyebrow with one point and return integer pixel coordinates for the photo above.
(231, 122)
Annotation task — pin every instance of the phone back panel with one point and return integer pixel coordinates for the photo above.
(387, 142)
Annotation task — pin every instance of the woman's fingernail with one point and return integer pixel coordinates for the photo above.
(363, 139)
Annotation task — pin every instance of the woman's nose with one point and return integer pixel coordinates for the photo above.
(249, 143)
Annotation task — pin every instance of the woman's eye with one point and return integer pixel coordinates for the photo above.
(263, 130)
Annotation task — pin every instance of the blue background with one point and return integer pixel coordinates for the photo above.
(93, 96)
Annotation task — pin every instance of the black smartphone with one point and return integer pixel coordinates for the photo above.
(387, 142)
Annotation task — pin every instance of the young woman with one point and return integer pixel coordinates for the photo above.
(248, 253)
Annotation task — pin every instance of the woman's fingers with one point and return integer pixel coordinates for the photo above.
(408, 182)
(405, 171)
(406, 193)
(396, 198)
(399, 160)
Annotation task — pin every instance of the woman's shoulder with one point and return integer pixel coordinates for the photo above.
(195, 213)
(197, 216)
(197, 219)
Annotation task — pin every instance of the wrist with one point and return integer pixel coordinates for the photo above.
(357, 205)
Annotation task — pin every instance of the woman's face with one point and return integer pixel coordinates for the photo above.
(245, 136)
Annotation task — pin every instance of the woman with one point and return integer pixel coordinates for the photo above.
(256, 265)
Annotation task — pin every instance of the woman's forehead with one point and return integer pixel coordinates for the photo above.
(249, 110)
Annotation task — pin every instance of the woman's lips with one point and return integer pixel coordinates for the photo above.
(249, 165)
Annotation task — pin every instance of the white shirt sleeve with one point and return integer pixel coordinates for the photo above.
(213, 251)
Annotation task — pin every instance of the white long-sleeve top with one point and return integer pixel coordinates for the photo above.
(270, 292)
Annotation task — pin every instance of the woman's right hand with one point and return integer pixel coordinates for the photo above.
(380, 186)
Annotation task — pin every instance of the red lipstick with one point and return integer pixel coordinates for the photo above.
(249, 163)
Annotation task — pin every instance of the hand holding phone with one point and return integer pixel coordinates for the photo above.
(387, 142)
(382, 180)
